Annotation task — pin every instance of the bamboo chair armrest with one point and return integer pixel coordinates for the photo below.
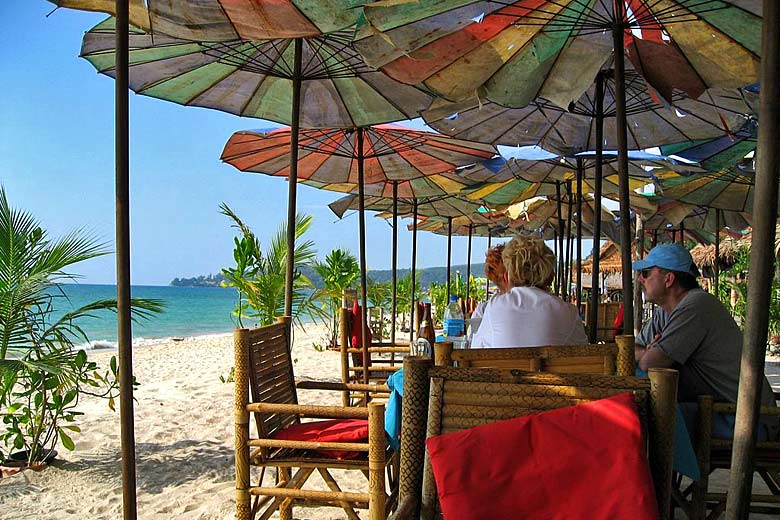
(405, 510)
(310, 410)
(381, 350)
(731, 408)
(308, 445)
(341, 387)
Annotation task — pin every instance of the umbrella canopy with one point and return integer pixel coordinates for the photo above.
(480, 226)
(720, 153)
(730, 190)
(436, 185)
(255, 78)
(571, 131)
(444, 206)
(514, 52)
(672, 213)
(391, 153)
(138, 14)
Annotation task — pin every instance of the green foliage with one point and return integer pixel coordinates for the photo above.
(438, 293)
(338, 272)
(42, 373)
(259, 276)
(736, 279)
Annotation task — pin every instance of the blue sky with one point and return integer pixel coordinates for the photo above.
(57, 161)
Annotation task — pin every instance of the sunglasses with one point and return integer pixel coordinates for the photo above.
(646, 272)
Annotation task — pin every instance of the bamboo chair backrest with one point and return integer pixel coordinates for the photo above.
(607, 312)
(271, 376)
(601, 358)
(460, 398)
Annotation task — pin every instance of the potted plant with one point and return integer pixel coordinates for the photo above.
(43, 373)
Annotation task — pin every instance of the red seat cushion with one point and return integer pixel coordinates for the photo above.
(584, 461)
(333, 430)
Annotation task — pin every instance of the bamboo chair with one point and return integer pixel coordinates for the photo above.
(385, 358)
(601, 358)
(264, 366)
(713, 453)
(432, 406)
(605, 320)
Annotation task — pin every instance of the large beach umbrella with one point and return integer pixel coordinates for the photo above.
(513, 54)
(730, 190)
(313, 82)
(138, 14)
(382, 154)
(719, 153)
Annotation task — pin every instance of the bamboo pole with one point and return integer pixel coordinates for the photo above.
(449, 256)
(622, 149)
(376, 461)
(761, 259)
(413, 306)
(579, 234)
(344, 345)
(362, 252)
(122, 226)
(640, 251)
(559, 242)
(487, 280)
(292, 178)
(394, 304)
(241, 420)
(716, 264)
(593, 309)
(569, 245)
(663, 389)
(468, 266)
(414, 419)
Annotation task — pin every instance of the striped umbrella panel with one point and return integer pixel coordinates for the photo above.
(445, 206)
(225, 20)
(328, 157)
(255, 78)
(513, 52)
(716, 154)
(730, 190)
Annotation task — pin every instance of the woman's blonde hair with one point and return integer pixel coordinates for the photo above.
(529, 262)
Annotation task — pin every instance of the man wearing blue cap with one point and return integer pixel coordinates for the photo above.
(690, 331)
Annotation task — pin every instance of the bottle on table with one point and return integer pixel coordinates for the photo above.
(426, 336)
(454, 324)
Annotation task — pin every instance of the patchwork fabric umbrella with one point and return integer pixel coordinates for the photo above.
(720, 153)
(257, 78)
(442, 206)
(514, 52)
(138, 14)
(573, 130)
(730, 190)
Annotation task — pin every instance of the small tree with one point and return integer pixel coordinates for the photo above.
(339, 272)
(42, 373)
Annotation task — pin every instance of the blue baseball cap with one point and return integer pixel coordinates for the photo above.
(672, 257)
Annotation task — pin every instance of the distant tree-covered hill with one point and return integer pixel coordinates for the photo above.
(427, 275)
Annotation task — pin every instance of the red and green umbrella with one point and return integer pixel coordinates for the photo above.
(730, 190)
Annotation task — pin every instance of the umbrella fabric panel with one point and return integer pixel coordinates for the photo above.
(138, 14)
(720, 153)
(729, 190)
(254, 78)
(221, 20)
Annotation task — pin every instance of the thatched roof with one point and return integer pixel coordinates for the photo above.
(609, 260)
(704, 256)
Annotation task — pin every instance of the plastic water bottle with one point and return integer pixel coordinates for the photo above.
(454, 324)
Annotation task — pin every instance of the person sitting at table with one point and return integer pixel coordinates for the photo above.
(526, 314)
(494, 271)
(692, 332)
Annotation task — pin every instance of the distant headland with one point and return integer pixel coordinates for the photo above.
(427, 275)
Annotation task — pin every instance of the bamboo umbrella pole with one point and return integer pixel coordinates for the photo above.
(362, 252)
(569, 244)
(487, 280)
(292, 178)
(394, 303)
(559, 249)
(761, 259)
(597, 183)
(449, 256)
(622, 146)
(579, 234)
(640, 252)
(413, 307)
(682, 232)
(716, 264)
(468, 267)
(124, 328)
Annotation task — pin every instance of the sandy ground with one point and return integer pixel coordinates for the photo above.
(184, 440)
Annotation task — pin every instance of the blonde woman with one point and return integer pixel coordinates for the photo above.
(494, 271)
(526, 314)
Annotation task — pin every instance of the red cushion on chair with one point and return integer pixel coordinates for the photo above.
(333, 430)
(584, 461)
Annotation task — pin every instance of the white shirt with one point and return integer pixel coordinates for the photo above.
(528, 317)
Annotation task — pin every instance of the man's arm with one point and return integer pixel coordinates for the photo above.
(651, 356)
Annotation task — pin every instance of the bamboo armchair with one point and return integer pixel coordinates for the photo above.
(385, 358)
(713, 453)
(601, 358)
(443, 399)
(607, 312)
(263, 366)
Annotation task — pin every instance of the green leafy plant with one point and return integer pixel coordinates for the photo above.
(403, 303)
(380, 296)
(259, 276)
(339, 272)
(438, 293)
(43, 374)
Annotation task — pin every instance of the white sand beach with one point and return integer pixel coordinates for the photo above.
(184, 436)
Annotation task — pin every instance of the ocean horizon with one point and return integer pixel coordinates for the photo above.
(189, 311)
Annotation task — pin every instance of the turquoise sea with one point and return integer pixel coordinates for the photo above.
(189, 311)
